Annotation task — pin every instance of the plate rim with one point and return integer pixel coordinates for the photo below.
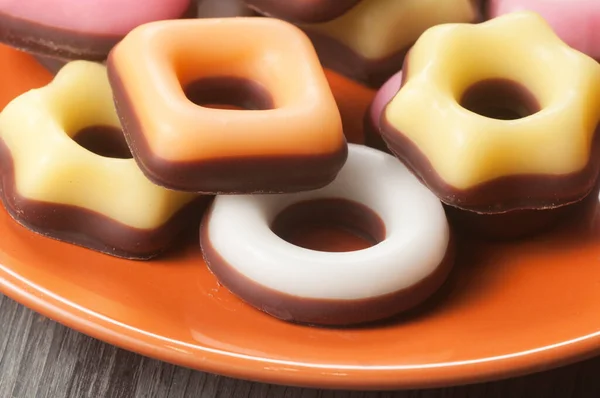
(201, 358)
(289, 373)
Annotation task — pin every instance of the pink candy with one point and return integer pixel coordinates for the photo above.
(577, 22)
(382, 98)
(80, 29)
(109, 17)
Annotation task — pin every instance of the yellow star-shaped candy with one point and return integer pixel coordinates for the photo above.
(373, 36)
(462, 155)
(376, 29)
(48, 166)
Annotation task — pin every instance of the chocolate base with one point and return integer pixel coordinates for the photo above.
(339, 57)
(512, 225)
(495, 99)
(353, 217)
(520, 224)
(62, 43)
(372, 135)
(500, 99)
(503, 194)
(90, 229)
(311, 11)
(220, 175)
(230, 92)
(107, 141)
(224, 9)
(321, 312)
(52, 65)
(344, 60)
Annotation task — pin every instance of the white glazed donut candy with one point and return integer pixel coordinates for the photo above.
(308, 286)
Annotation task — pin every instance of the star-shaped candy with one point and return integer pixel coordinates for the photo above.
(498, 116)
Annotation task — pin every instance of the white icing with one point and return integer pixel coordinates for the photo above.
(416, 240)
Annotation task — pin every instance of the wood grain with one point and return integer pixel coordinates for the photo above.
(42, 359)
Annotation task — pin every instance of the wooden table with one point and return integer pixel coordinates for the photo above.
(40, 358)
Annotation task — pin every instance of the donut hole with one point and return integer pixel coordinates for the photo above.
(228, 93)
(106, 141)
(329, 225)
(500, 99)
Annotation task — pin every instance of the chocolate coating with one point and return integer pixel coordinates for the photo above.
(372, 136)
(504, 194)
(230, 92)
(344, 214)
(500, 99)
(520, 224)
(511, 225)
(53, 65)
(372, 131)
(344, 60)
(61, 43)
(302, 11)
(220, 175)
(89, 229)
(324, 312)
(105, 141)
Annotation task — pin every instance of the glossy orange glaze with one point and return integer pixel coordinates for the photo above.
(304, 119)
(509, 308)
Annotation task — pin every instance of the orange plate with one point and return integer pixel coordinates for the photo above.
(508, 309)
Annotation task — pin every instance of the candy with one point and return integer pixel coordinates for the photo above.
(411, 259)
(53, 184)
(80, 29)
(287, 138)
(373, 116)
(369, 42)
(307, 11)
(498, 116)
(577, 22)
(223, 8)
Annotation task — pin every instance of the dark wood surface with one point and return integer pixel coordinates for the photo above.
(42, 359)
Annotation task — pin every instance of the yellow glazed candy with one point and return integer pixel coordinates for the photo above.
(375, 31)
(541, 158)
(51, 171)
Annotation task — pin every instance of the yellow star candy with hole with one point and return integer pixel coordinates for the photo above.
(498, 116)
(110, 205)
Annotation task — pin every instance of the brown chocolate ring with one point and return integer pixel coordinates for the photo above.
(302, 11)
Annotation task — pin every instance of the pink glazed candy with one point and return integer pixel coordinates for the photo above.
(577, 22)
(80, 29)
(383, 96)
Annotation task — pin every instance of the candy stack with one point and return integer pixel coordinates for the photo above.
(218, 117)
